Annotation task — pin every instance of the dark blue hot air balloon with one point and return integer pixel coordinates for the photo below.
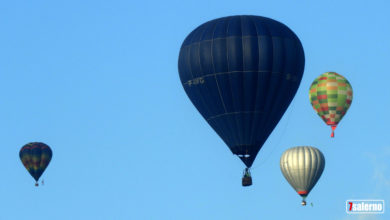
(241, 73)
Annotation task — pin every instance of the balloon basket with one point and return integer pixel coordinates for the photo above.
(246, 181)
(333, 128)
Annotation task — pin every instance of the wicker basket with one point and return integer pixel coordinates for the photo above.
(246, 181)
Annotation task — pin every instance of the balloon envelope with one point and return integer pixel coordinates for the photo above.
(331, 96)
(241, 73)
(35, 157)
(302, 167)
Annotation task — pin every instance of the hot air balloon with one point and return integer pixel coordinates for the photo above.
(35, 157)
(331, 96)
(302, 167)
(241, 73)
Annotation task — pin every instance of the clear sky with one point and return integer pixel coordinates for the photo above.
(98, 82)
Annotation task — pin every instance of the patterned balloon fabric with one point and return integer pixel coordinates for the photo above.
(35, 157)
(331, 96)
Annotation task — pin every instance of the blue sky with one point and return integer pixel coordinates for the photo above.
(98, 82)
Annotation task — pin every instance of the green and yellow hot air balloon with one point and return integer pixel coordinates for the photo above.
(331, 96)
(35, 157)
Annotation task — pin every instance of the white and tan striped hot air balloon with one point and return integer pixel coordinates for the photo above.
(302, 167)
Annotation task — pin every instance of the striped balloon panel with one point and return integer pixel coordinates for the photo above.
(331, 96)
(35, 157)
(302, 167)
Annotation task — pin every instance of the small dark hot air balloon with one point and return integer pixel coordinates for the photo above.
(35, 157)
(241, 73)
